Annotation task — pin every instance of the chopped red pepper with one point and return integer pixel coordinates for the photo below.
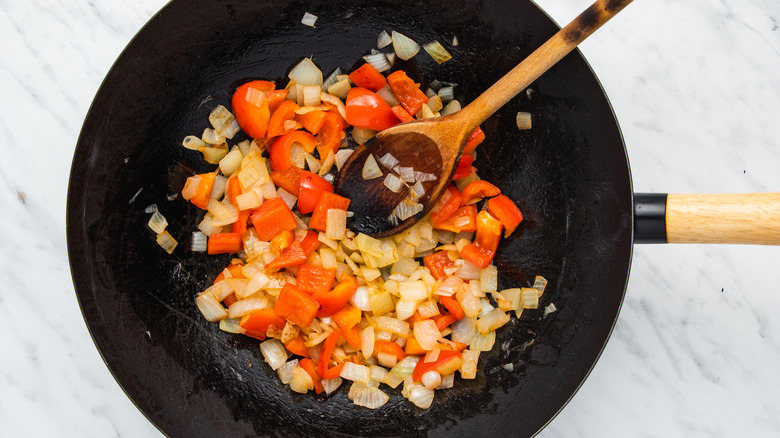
(448, 204)
(250, 106)
(233, 189)
(330, 135)
(367, 76)
(271, 218)
(225, 243)
(464, 167)
(310, 242)
(203, 193)
(326, 202)
(297, 345)
(444, 320)
(482, 251)
(348, 319)
(310, 367)
(325, 353)
(436, 263)
(464, 219)
(285, 112)
(392, 348)
(312, 121)
(453, 306)
(443, 364)
(365, 109)
(475, 139)
(280, 149)
(259, 321)
(334, 300)
(275, 98)
(289, 180)
(296, 306)
(476, 190)
(291, 256)
(402, 114)
(412, 346)
(315, 279)
(312, 186)
(407, 92)
(505, 211)
(239, 226)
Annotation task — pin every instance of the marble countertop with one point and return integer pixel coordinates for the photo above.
(695, 352)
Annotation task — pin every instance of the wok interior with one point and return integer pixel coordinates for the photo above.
(568, 174)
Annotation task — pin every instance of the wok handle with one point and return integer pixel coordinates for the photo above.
(743, 218)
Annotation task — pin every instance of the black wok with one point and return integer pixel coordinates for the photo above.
(569, 174)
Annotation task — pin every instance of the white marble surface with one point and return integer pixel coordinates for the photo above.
(696, 349)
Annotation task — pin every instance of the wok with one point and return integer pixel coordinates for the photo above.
(570, 175)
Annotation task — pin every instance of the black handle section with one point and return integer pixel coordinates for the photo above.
(650, 218)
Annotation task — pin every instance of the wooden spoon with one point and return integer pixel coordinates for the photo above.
(434, 145)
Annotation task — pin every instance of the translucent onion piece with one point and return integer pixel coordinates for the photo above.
(404, 47)
(287, 197)
(285, 371)
(331, 385)
(207, 227)
(424, 176)
(297, 155)
(488, 279)
(427, 334)
(405, 367)
(540, 283)
(455, 41)
(417, 190)
(325, 97)
(231, 325)
(450, 108)
(311, 94)
(437, 52)
(211, 309)
(336, 224)
(355, 372)
(224, 214)
(406, 174)
(220, 118)
(469, 368)
(529, 298)
(306, 73)
(428, 309)
(413, 290)
(379, 61)
(199, 241)
(157, 222)
(383, 40)
(471, 304)
(494, 319)
(151, 208)
(447, 94)
(549, 309)
(431, 379)
(421, 396)
(212, 155)
(274, 353)
(331, 79)
(339, 89)
(231, 162)
(361, 135)
(386, 93)
(193, 142)
(211, 136)
(393, 183)
(301, 381)
(447, 381)
(406, 209)
(523, 120)
(483, 342)
(313, 164)
(434, 104)
(367, 338)
(369, 397)
(247, 305)
(388, 160)
(166, 242)
(468, 270)
(392, 325)
(341, 157)
(308, 19)
(449, 286)
(218, 189)
(248, 200)
(231, 130)
(327, 164)
(404, 309)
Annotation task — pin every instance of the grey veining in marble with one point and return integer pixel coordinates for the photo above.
(695, 353)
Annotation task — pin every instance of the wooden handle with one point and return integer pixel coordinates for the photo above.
(750, 218)
(541, 60)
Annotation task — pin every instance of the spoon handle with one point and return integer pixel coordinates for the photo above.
(541, 60)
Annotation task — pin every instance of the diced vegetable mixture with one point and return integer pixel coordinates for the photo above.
(329, 305)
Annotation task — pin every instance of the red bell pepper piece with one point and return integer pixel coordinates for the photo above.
(476, 190)
(315, 279)
(289, 180)
(312, 186)
(312, 121)
(203, 193)
(330, 135)
(412, 346)
(464, 219)
(250, 106)
(271, 218)
(239, 226)
(448, 204)
(310, 242)
(326, 202)
(464, 167)
(441, 364)
(392, 348)
(475, 139)
(280, 149)
(453, 306)
(285, 112)
(296, 306)
(290, 256)
(407, 92)
(365, 109)
(225, 243)
(348, 319)
(444, 320)
(275, 98)
(260, 320)
(235, 269)
(310, 367)
(505, 211)
(368, 77)
(401, 113)
(436, 262)
(335, 299)
(297, 345)
(482, 251)
(325, 353)
(233, 189)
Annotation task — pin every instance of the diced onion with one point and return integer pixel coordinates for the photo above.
(392, 325)
(370, 397)
(449, 286)
(367, 341)
(383, 40)
(311, 94)
(424, 176)
(274, 353)
(301, 381)
(471, 304)
(447, 94)
(218, 189)
(246, 306)
(468, 370)
(529, 298)
(167, 242)
(331, 385)
(308, 19)
(427, 334)
(341, 157)
(488, 279)
(339, 89)
(361, 135)
(313, 163)
(434, 104)
(405, 209)
(540, 283)
(331, 79)
(212, 137)
(306, 73)
(327, 163)
(379, 61)
(450, 108)
(421, 396)
(483, 342)
(207, 227)
(388, 160)
(431, 379)
(393, 183)
(455, 41)
(157, 222)
(287, 197)
(220, 118)
(336, 224)
(437, 52)
(523, 120)
(231, 162)
(549, 309)
(404, 309)
(231, 325)
(417, 190)
(464, 330)
(386, 93)
(413, 290)
(428, 309)
(406, 174)
(248, 200)
(468, 271)
(151, 208)
(355, 372)
(285, 371)
(494, 319)
(193, 142)
(404, 46)
(199, 241)
(213, 154)
(224, 214)
(360, 298)
(254, 96)
(211, 309)
(333, 100)
(406, 366)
